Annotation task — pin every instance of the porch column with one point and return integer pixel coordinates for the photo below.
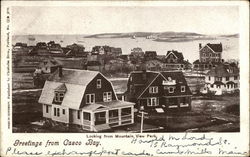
(178, 102)
(107, 116)
(132, 114)
(81, 117)
(92, 121)
(119, 116)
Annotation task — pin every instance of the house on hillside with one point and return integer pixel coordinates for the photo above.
(210, 56)
(85, 99)
(55, 48)
(159, 92)
(224, 78)
(115, 52)
(149, 55)
(137, 52)
(154, 65)
(174, 60)
(75, 50)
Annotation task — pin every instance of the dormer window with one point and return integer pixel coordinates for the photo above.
(99, 83)
(59, 93)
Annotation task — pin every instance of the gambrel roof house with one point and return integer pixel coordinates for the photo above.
(84, 98)
(159, 90)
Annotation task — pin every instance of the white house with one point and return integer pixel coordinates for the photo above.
(84, 98)
(222, 79)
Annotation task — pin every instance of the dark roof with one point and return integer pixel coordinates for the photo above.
(93, 63)
(137, 79)
(150, 53)
(218, 83)
(62, 87)
(179, 55)
(223, 70)
(215, 47)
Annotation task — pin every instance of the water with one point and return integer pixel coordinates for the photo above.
(188, 48)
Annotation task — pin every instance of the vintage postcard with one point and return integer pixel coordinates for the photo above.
(124, 78)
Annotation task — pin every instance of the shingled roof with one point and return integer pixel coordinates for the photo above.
(137, 79)
(73, 81)
(179, 55)
(223, 70)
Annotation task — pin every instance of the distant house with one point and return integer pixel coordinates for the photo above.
(124, 57)
(210, 56)
(149, 55)
(137, 52)
(20, 48)
(75, 50)
(115, 52)
(154, 65)
(85, 99)
(41, 49)
(48, 66)
(55, 49)
(174, 60)
(159, 91)
(224, 78)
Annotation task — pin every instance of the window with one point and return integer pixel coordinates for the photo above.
(78, 114)
(54, 111)
(212, 86)
(236, 85)
(210, 55)
(235, 77)
(63, 111)
(183, 88)
(107, 96)
(216, 60)
(218, 86)
(204, 60)
(227, 78)
(86, 116)
(153, 101)
(153, 89)
(47, 108)
(59, 96)
(126, 111)
(204, 54)
(171, 89)
(218, 78)
(209, 78)
(113, 113)
(99, 83)
(90, 98)
(58, 112)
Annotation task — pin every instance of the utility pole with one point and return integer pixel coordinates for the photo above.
(142, 116)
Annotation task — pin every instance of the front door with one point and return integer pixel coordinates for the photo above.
(100, 118)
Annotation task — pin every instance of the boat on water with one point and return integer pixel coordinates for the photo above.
(133, 37)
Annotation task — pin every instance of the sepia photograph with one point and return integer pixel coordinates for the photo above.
(125, 69)
(124, 78)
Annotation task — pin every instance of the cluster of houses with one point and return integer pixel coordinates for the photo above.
(85, 98)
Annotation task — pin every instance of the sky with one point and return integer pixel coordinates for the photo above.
(105, 19)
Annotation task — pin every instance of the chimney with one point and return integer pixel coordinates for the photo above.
(199, 45)
(60, 74)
